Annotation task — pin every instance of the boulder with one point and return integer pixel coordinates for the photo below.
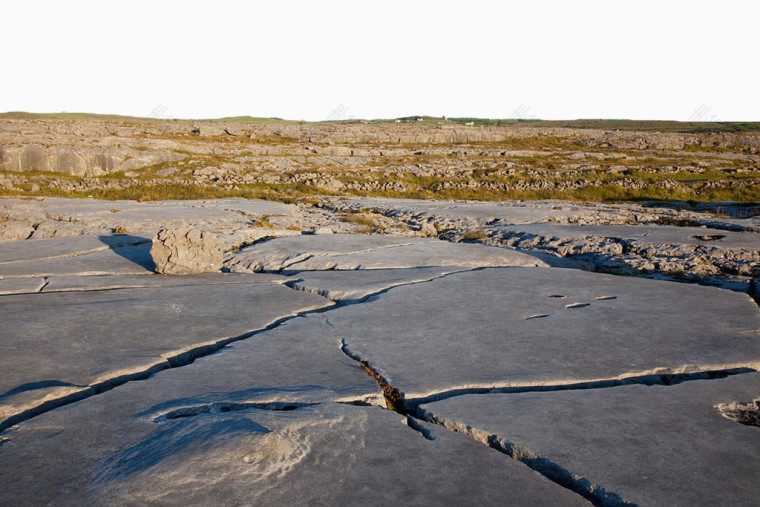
(185, 251)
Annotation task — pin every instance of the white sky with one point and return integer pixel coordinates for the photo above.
(665, 59)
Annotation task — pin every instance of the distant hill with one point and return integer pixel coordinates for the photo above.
(629, 125)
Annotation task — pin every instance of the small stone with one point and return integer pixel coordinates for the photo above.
(185, 251)
(428, 229)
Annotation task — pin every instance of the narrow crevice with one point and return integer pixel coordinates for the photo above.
(299, 284)
(394, 399)
(180, 359)
(648, 379)
(754, 291)
(34, 229)
(45, 283)
(144, 286)
(553, 471)
(223, 407)
(81, 395)
(422, 430)
(356, 403)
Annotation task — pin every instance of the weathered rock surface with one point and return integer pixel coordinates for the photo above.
(125, 260)
(85, 339)
(21, 285)
(407, 160)
(655, 445)
(362, 251)
(185, 251)
(338, 379)
(505, 327)
(354, 286)
(626, 239)
(67, 283)
(23, 251)
(329, 454)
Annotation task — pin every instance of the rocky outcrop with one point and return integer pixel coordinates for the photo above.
(185, 251)
(79, 161)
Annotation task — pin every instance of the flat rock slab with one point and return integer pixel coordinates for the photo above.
(250, 206)
(60, 343)
(508, 212)
(73, 217)
(99, 212)
(657, 445)
(521, 326)
(106, 282)
(21, 285)
(126, 260)
(36, 249)
(361, 251)
(300, 361)
(326, 455)
(256, 424)
(353, 286)
(657, 234)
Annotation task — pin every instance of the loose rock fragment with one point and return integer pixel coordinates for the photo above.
(185, 251)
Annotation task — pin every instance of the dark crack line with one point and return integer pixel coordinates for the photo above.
(422, 430)
(181, 359)
(553, 471)
(224, 407)
(663, 379)
(299, 284)
(592, 492)
(394, 399)
(46, 282)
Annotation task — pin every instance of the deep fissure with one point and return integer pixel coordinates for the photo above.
(595, 493)
(182, 359)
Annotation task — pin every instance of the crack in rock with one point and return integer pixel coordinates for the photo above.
(415, 425)
(595, 493)
(646, 378)
(179, 359)
(301, 284)
(223, 407)
(182, 358)
(394, 399)
(592, 492)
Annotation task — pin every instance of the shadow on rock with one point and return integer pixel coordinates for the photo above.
(133, 248)
(172, 438)
(33, 386)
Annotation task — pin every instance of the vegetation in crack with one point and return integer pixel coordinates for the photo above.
(394, 398)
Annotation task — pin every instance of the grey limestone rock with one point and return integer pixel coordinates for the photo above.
(185, 251)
